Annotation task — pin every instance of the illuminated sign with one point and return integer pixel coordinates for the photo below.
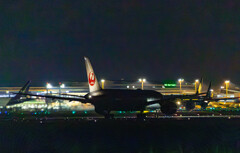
(169, 84)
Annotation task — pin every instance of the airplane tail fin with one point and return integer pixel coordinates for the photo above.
(16, 99)
(92, 79)
(208, 95)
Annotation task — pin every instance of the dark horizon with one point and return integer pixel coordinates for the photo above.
(46, 41)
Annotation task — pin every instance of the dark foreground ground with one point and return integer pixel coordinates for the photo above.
(203, 135)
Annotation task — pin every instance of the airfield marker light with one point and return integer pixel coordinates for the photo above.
(142, 81)
(196, 82)
(227, 85)
(103, 81)
(180, 82)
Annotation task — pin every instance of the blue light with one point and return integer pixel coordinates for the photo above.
(0, 112)
(5, 112)
(73, 112)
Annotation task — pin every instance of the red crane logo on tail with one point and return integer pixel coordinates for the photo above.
(91, 79)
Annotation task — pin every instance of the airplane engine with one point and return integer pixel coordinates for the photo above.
(190, 105)
(169, 108)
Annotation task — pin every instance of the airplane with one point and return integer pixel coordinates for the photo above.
(107, 100)
(203, 101)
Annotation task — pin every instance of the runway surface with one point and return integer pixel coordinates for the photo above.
(127, 134)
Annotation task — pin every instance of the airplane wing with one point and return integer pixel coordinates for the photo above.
(218, 99)
(19, 98)
(172, 97)
(69, 98)
(72, 95)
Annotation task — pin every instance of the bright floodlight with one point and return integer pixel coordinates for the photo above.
(142, 80)
(197, 81)
(49, 85)
(102, 80)
(62, 86)
(211, 90)
(180, 80)
(227, 81)
(222, 87)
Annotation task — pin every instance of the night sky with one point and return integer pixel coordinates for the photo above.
(47, 40)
